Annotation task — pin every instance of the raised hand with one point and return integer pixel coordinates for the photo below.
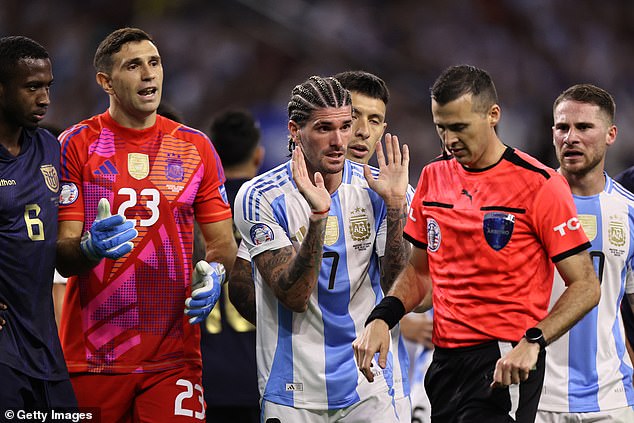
(109, 236)
(391, 183)
(207, 280)
(316, 194)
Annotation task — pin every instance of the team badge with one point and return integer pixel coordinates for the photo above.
(498, 228)
(174, 170)
(138, 165)
(261, 233)
(50, 177)
(359, 225)
(332, 230)
(617, 234)
(68, 194)
(589, 225)
(433, 235)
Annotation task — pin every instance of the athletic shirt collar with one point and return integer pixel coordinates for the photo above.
(132, 136)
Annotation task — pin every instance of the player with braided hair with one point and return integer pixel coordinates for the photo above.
(315, 227)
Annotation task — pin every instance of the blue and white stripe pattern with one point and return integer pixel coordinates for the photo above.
(305, 360)
(588, 369)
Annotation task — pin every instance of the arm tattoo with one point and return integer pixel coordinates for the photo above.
(242, 290)
(397, 249)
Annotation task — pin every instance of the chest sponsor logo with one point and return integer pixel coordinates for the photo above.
(589, 225)
(68, 194)
(498, 228)
(50, 177)
(434, 236)
(7, 182)
(174, 170)
(360, 229)
(261, 233)
(138, 165)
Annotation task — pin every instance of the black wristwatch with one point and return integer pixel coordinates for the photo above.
(535, 336)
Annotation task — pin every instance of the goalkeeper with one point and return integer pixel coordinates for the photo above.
(132, 183)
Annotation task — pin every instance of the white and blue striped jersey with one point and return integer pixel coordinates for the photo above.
(588, 369)
(306, 360)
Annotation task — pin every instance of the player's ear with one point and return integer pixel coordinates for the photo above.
(494, 115)
(104, 82)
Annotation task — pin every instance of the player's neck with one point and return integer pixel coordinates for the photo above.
(10, 138)
(127, 120)
(587, 184)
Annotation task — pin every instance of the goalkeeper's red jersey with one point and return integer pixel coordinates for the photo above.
(492, 236)
(126, 315)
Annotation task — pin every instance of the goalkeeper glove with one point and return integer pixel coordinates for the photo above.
(207, 282)
(109, 236)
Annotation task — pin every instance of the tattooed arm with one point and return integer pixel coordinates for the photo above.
(391, 185)
(293, 276)
(397, 248)
(242, 289)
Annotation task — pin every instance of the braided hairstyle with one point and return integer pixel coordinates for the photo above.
(315, 93)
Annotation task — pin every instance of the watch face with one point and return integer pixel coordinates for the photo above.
(533, 334)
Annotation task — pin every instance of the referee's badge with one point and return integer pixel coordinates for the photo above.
(433, 235)
(498, 228)
(138, 165)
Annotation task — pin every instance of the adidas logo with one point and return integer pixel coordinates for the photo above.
(107, 168)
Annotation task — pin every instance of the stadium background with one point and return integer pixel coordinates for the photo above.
(250, 53)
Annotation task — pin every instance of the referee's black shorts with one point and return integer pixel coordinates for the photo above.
(458, 385)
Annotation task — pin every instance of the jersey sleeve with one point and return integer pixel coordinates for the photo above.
(256, 221)
(554, 216)
(211, 204)
(415, 227)
(71, 203)
(243, 252)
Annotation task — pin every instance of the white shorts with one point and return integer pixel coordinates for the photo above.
(404, 409)
(377, 408)
(618, 415)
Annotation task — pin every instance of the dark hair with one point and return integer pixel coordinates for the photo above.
(112, 44)
(16, 48)
(235, 135)
(364, 83)
(457, 81)
(315, 93)
(588, 93)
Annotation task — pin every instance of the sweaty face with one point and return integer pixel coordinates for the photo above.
(582, 134)
(24, 99)
(136, 80)
(368, 125)
(466, 133)
(324, 139)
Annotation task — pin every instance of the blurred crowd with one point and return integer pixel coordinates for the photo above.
(250, 53)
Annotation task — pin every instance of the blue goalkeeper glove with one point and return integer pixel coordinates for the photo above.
(109, 236)
(207, 282)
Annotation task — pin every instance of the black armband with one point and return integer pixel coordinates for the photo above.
(390, 310)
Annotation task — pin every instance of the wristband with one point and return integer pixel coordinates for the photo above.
(321, 212)
(390, 310)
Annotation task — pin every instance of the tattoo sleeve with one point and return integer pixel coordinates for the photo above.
(242, 289)
(293, 276)
(397, 249)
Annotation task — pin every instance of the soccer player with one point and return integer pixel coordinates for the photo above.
(130, 349)
(32, 368)
(315, 228)
(228, 340)
(487, 221)
(588, 371)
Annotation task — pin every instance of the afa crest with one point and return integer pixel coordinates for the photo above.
(617, 233)
(359, 225)
(50, 177)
